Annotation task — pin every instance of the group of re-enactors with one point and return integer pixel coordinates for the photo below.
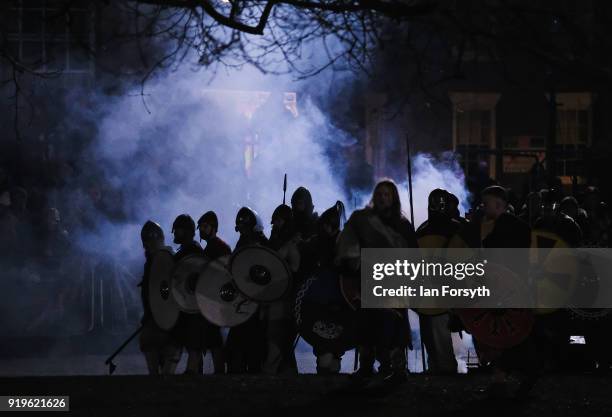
(307, 241)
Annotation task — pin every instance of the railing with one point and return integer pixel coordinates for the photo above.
(113, 297)
(90, 295)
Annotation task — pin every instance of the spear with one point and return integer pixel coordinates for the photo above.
(284, 188)
(410, 180)
(109, 361)
(409, 165)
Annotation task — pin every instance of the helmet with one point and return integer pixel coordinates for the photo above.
(453, 201)
(246, 216)
(547, 199)
(453, 205)
(184, 221)
(151, 230)
(333, 215)
(283, 211)
(569, 202)
(209, 217)
(496, 191)
(438, 200)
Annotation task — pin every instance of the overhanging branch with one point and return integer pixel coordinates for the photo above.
(396, 9)
(228, 21)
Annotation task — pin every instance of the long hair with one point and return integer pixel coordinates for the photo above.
(396, 206)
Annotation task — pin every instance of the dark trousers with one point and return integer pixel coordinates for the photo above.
(384, 334)
(244, 348)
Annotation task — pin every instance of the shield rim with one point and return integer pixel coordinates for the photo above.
(186, 310)
(273, 253)
(201, 282)
(171, 299)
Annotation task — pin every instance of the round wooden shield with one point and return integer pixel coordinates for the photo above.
(323, 319)
(260, 274)
(497, 328)
(184, 281)
(500, 328)
(329, 328)
(218, 298)
(164, 308)
(554, 270)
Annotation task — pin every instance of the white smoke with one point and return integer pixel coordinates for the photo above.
(429, 173)
(183, 150)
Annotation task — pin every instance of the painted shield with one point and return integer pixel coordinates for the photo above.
(497, 328)
(164, 308)
(260, 274)
(323, 319)
(593, 285)
(554, 270)
(500, 328)
(184, 281)
(510, 288)
(218, 298)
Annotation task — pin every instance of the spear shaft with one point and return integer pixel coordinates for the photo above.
(284, 188)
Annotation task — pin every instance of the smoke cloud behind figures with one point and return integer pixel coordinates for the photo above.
(194, 147)
(189, 147)
(428, 173)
